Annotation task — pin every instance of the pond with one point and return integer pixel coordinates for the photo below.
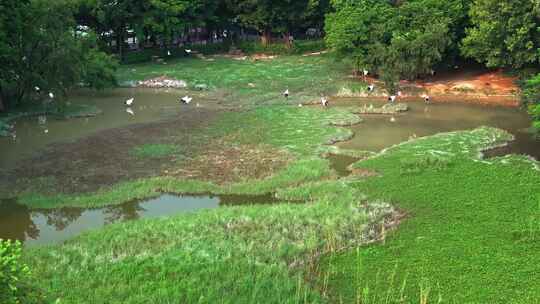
(376, 132)
(34, 133)
(35, 227)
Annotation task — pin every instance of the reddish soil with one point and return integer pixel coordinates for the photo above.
(488, 87)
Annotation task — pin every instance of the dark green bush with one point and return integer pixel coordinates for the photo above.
(12, 272)
(418, 165)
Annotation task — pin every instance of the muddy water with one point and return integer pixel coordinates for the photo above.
(34, 227)
(34, 133)
(380, 131)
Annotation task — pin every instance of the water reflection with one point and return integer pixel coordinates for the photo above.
(56, 225)
(16, 221)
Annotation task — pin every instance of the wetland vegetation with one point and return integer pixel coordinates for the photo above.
(245, 195)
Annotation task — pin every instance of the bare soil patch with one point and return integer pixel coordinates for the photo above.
(225, 163)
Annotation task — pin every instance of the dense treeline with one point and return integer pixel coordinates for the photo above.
(62, 43)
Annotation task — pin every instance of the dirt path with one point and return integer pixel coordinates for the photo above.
(487, 87)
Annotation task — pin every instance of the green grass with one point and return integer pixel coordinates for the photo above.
(252, 82)
(229, 255)
(472, 231)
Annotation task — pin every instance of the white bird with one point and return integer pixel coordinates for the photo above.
(286, 93)
(300, 105)
(42, 119)
(46, 131)
(392, 98)
(186, 99)
(129, 102)
(366, 72)
(37, 89)
(168, 53)
(392, 119)
(324, 101)
(188, 51)
(51, 95)
(399, 93)
(371, 87)
(426, 98)
(130, 111)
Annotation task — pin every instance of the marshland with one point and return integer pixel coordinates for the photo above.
(252, 152)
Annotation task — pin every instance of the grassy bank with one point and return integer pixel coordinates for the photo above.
(252, 82)
(301, 132)
(229, 255)
(472, 230)
(464, 238)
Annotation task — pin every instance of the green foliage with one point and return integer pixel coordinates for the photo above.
(46, 52)
(13, 273)
(418, 165)
(282, 16)
(503, 33)
(401, 41)
(530, 97)
(251, 254)
(463, 228)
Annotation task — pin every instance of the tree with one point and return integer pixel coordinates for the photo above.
(530, 97)
(394, 40)
(503, 33)
(271, 16)
(47, 52)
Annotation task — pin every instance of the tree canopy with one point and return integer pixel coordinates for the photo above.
(48, 53)
(503, 33)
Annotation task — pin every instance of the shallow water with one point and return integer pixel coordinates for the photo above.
(34, 133)
(374, 134)
(37, 227)
(377, 132)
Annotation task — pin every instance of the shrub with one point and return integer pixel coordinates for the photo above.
(12, 272)
(418, 165)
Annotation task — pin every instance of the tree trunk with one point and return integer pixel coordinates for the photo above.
(288, 40)
(120, 43)
(265, 38)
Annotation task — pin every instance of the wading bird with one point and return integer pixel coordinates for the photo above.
(186, 99)
(392, 119)
(324, 101)
(371, 87)
(51, 95)
(286, 93)
(168, 53)
(188, 51)
(130, 111)
(37, 89)
(392, 98)
(426, 98)
(129, 102)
